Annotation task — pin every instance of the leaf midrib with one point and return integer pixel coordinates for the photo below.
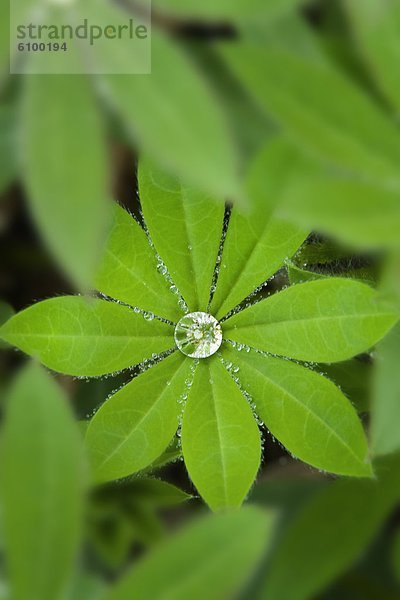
(191, 261)
(239, 274)
(90, 335)
(222, 457)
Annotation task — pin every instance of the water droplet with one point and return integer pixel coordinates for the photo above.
(198, 335)
(182, 304)
(161, 268)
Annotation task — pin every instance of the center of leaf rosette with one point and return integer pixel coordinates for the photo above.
(198, 335)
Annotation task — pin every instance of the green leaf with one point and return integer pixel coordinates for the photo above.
(65, 169)
(390, 280)
(186, 228)
(220, 437)
(155, 493)
(302, 95)
(257, 242)
(23, 12)
(386, 395)
(172, 454)
(291, 32)
(376, 26)
(86, 336)
(128, 269)
(137, 423)
(288, 493)
(329, 534)
(357, 213)
(323, 321)
(297, 275)
(42, 486)
(305, 411)
(171, 113)
(211, 558)
(322, 252)
(87, 587)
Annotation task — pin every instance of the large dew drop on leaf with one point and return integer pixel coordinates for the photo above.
(198, 335)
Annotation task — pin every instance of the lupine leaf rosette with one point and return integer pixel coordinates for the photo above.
(210, 377)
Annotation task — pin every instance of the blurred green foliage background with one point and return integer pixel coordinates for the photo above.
(227, 78)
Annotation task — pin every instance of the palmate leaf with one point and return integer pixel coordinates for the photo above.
(323, 321)
(305, 411)
(128, 270)
(258, 241)
(89, 337)
(211, 558)
(137, 423)
(42, 486)
(186, 227)
(220, 437)
(376, 26)
(65, 168)
(302, 95)
(329, 533)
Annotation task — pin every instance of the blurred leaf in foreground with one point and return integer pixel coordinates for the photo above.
(361, 214)
(128, 514)
(65, 169)
(301, 94)
(376, 27)
(329, 533)
(386, 395)
(386, 383)
(171, 113)
(212, 558)
(42, 487)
